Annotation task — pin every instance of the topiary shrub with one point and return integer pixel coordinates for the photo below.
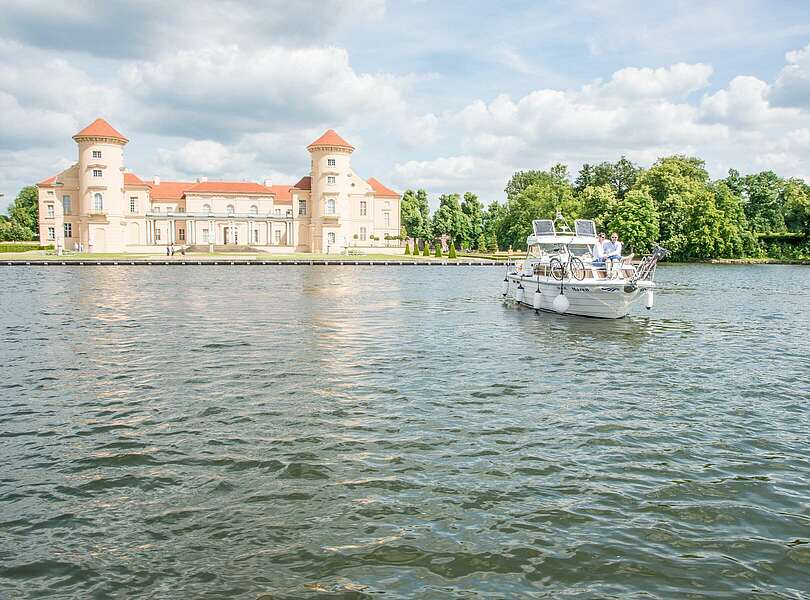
(426, 250)
(452, 253)
(408, 248)
(438, 250)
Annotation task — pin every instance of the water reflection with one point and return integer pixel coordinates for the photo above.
(297, 431)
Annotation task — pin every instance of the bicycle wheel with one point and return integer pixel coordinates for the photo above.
(577, 268)
(557, 269)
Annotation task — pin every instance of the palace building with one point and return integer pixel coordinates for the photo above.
(99, 205)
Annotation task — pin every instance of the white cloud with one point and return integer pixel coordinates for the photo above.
(665, 82)
(206, 157)
(792, 87)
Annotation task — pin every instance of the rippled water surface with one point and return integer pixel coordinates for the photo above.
(354, 432)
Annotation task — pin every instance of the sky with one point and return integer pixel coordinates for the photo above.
(445, 95)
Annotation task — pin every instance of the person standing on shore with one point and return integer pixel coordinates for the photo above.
(613, 253)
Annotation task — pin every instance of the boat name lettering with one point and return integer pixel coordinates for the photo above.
(610, 289)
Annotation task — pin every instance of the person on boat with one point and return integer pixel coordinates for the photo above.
(598, 252)
(613, 253)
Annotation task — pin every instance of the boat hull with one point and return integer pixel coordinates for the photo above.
(603, 299)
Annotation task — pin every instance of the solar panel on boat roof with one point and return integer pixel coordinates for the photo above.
(543, 227)
(585, 227)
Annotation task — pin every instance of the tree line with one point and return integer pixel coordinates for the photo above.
(673, 203)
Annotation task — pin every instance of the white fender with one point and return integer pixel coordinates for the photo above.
(520, 295)
(537, 300)
(561, 303)
(650, 299)
(505, 287)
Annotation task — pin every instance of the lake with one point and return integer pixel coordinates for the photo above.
(355, 432)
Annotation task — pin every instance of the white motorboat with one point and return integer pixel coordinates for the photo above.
(559, 274)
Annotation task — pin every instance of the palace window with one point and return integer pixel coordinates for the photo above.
(387, 219)
(363, 208)
(277, 237)
(181, 234)
(302, 207)
(330, 237)
(133, 204)
(98, 202)
(50, 211)
(205, 236)
(68, 230)
(50, 192)
(230, 209)
(51, 234)
(330, 162)
(97, 173)
(207, 209)
(254, 210)
(66, 208)
(96, 153)
(157, 234)
(330, 206)
(362, 234)
(254, 236)
(277, 212)
(169, 210)
(156, 209)
(330, 180)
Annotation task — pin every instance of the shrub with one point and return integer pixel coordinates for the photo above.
(23, 247)
(426, 250)
(408, 249)
(452, 253)
(439, 250)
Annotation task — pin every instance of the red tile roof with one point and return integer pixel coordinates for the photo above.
(170, 190)
(100, 128)
(331, 138)
(380, 189)
(283, 194)
(47, 182)
(134, 180)
(229, 187)
(305, 183)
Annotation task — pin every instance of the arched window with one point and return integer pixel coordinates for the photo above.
(230, 210)
(330, 206)
(254, 210)
(98, 202)
(330, 237)
(207, 208)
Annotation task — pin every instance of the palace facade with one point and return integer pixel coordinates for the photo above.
(100, 206)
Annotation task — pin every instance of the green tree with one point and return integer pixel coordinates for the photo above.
(11, 231)
(620, 176)
(763, 197)
(481, 243)
(736, 239)
(24, 211)
(595, 201)
(521, 180)
(415, 214)
(474, 211)
(797, 205)
(449, 219)
(426, 249)
(671, 182)
(634, 219)
(541, 200)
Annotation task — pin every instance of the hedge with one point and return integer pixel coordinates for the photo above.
(23, 247)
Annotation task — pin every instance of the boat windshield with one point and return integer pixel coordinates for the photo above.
(579, 249)
(540, 250)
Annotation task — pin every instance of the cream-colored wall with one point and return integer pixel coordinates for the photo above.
(117, 228)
